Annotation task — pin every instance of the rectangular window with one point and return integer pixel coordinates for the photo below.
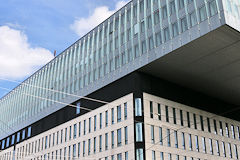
(181, 117)
(161, 156)
(46, 142)
(119, 137)
(128, 34)
(100, 143)
(112, 134)
(168, 138)
(210, 146)
(141, 6)
(70, 132)
(139, 136)
(195, 121)
(79, 129)
(217, 148)
(175, 29)
(227, 131)
(153, 155)
(230, 150)
(152, 134)
(100, 121)
(188, 120)
(23, 134)
(136, 51)
(166, 111)
(238, 132)
(112, 111)
(18, 136)
(74, 151)
(94, 144)
(106, 141)
(193, 19)
(190, 142)
(84, 127)
(130, 55)
(119, 156)
(126, 155)
(164, 12)
(158, 38)
(201, 121)
(156, 17)
(166, 34)
(78, 108)
(29, 131)
(126, 134)
(233, 131)
(220, 128)
(197, 143)
(183, 141)
(150, 43)
(106, 118)
(209, 126)
(7, 143)
(95, 123)
(149, 22)
(144, 48)
(142, 27)
(119, 113)
(89, 125)
(13, 139)
(223, 149)
(84, 148)
(184, 25)
(74, 131)
(159, 111)
(160, 136)
(212, 7)
(202, 13)
(236, 151)
(65, 154)
(122, 38)
(138, 107)
(181, 4)
(151, 109)
(172, 7)
(215, 126)
(204, 144)
(136, 29)
(125, 111)
(176, 139)
(139, 154)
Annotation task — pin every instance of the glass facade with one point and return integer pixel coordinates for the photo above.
(133, 31)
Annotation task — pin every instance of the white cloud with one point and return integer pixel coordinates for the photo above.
(17, 58)
(83, 25)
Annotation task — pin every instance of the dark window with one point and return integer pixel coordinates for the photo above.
(195, 121)
(181, 117)
(159, 111)
(166, 109)
(209, 126)
(188, 120)
(174, 116)
(151, 109)
(201, 121)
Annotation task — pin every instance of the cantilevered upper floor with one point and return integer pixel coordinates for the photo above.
(155, 36)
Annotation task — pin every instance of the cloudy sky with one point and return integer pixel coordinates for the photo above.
(30, 31)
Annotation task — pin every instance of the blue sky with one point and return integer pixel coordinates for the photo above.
(33, 29)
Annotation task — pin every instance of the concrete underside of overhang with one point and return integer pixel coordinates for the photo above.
(209, 64)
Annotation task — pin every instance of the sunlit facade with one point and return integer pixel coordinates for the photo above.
(138, 34)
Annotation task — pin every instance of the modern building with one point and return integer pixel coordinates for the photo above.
(159, 79)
